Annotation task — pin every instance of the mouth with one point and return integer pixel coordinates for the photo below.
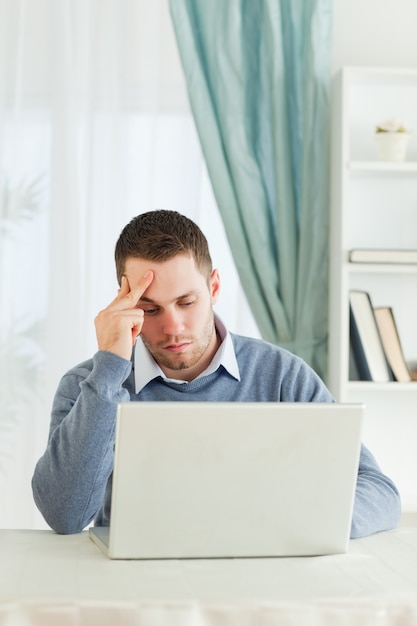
(176, 348)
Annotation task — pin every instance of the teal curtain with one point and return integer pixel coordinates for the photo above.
(258, 74)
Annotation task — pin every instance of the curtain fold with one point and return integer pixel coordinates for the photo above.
(258, 76)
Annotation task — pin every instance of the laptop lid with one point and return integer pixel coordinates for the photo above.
(207, 480)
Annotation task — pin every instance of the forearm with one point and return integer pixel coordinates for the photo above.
(377, 501)
(70, 478)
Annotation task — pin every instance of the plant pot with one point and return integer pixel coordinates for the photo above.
(392, 146)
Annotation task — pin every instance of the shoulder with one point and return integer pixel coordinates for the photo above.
(261, 358)
(259, 349)
(275, 368)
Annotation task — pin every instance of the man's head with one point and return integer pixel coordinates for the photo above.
(160, 236)
(178, 328)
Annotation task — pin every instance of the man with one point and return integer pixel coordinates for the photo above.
(181, 352)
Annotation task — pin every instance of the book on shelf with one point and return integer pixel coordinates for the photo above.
(392, 345)
(353, 368)
(379, 255)
(367, 349)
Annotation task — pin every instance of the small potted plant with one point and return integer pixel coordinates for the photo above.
(392, 139)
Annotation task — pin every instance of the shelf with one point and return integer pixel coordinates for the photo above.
(381, 268)
(370, 76)
(382, 166)
(372, 387)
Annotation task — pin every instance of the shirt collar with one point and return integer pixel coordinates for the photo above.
(146, 368)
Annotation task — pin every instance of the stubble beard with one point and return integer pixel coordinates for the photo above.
(180, 361)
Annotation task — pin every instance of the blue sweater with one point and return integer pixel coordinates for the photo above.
(72, 480)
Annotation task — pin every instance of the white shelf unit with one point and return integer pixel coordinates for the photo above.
(374, 205)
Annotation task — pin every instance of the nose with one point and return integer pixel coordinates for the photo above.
(173, 323)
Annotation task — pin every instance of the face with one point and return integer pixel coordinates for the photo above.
(179, 327)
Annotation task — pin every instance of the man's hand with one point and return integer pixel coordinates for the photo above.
(119, 324)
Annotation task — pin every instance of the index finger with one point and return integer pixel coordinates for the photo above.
(137, 290)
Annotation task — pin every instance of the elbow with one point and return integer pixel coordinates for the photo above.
(396, 510)
(58, 517)
(64, 527)
(61, 524)
(371, 516)
(393, 508)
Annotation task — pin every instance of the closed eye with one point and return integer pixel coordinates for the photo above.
(150, 310)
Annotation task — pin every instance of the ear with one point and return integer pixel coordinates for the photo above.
(214, 283)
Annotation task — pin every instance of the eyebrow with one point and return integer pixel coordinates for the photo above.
(185, 295)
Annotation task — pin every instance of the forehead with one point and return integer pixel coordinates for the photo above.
(172, 278)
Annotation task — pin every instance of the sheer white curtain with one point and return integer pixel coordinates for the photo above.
(94, 128)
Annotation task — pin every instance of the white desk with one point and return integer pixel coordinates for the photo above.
(52, 580)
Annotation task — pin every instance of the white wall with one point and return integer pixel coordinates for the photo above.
(374, 32)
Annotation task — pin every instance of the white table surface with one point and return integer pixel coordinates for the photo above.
(52, 580)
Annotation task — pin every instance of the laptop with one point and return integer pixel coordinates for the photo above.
(220, 480)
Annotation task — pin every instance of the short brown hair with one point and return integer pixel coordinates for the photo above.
(159, 236)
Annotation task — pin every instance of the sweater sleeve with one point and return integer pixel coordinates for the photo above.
(377, 504)
(70, 479)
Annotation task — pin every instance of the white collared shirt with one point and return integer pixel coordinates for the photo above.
(146, 368)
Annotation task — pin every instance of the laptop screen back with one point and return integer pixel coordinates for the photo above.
(202, 480)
